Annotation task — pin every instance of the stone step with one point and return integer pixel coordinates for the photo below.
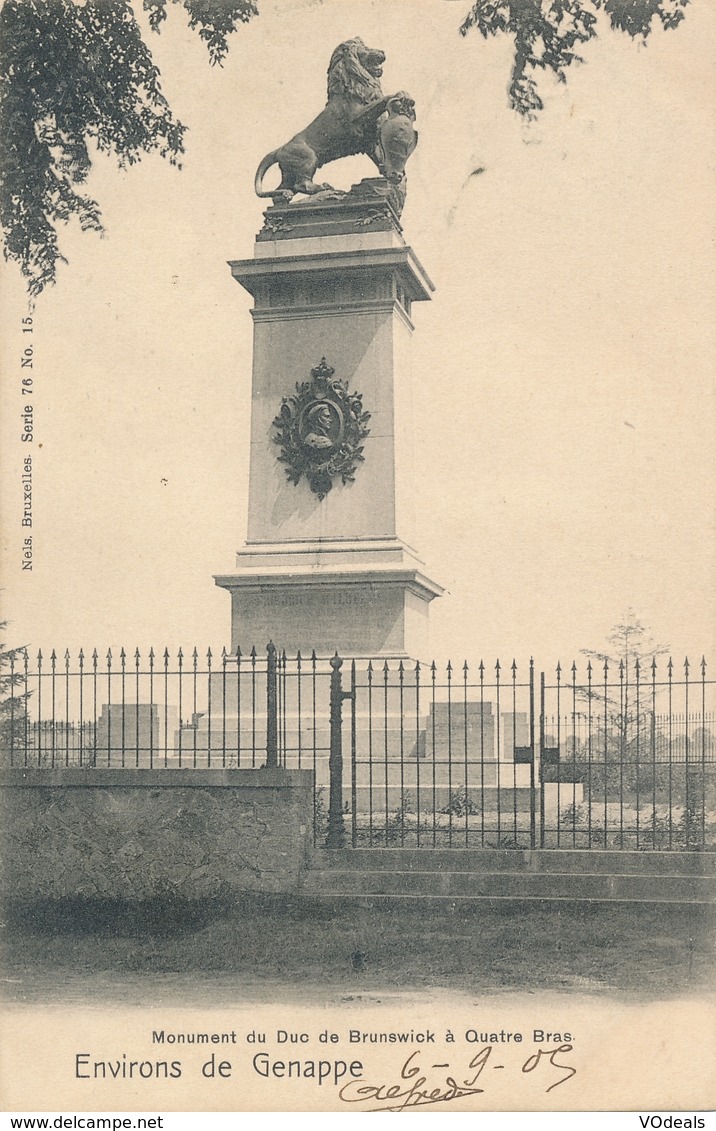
(535, 860)
(511, 885)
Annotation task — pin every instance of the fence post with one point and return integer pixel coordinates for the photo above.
(271, 705)
(533, 812)
(336, 826)
(354, 781)
(541, 752)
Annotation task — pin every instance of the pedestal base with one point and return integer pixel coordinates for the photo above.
(360, 600)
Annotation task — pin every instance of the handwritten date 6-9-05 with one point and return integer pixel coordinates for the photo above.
(421, 1084)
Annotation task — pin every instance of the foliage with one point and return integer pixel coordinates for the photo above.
(13, 701)
(548, 34)
(76, 77)
(627, 642)
(216, 20)
(572, 816)
(320, 816)
(460, 804)
(395, 827)
(624, 667)
(692, 831)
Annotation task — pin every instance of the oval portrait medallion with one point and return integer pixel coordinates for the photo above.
(320, 431)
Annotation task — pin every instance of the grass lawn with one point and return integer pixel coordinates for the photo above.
(642, 951)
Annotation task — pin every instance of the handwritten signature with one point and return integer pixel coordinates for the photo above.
(439, 1083)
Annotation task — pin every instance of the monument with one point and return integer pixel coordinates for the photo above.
(328, 562)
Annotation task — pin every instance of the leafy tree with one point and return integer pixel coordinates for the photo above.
(631, 756)
(628, 642)
(626, 661)
(13, 703)
(548, 33)
(75, 76)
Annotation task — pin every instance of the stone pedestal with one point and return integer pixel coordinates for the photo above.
(333, 279)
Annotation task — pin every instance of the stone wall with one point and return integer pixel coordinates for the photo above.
(139, 834)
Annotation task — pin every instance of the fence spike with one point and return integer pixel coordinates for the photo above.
(95, 657)
(386, 669)
(239, 653)
(513, 669)
(686, 666)
(559, 670)
(653, 665)
(370, 667)
(497, 667)
(574, 669)
(606, 667)
(465, 668)
(621, 669)
(180, 656)
(449, 668)
(253, 653)
(122, 655)
(194, 656)
(589, 668)
(401, 669)
(166, 655)
(670, 666)
(81, 657)
(136, 656)
(417, 669)
(208, 655)
(224, 655)
(433, 668)
(109, 656)
(637, 668)
(703, 666)
(53, 657)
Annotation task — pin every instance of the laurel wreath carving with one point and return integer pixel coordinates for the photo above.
(342, 443)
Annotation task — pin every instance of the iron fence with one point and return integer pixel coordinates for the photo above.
(628, 758)
(403, 755)
(442, 758)
(241, 711)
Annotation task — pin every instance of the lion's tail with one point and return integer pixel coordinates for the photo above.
(264, 166)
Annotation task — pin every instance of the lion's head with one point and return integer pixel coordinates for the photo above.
(354, 72)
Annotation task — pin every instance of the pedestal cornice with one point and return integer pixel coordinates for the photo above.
(328, 579)
(400, 261)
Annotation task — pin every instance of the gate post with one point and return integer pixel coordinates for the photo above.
(271, 705)
(336, 826)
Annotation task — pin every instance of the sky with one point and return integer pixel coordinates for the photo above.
(563, 413)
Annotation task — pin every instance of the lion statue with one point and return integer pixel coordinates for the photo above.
(349, 124)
